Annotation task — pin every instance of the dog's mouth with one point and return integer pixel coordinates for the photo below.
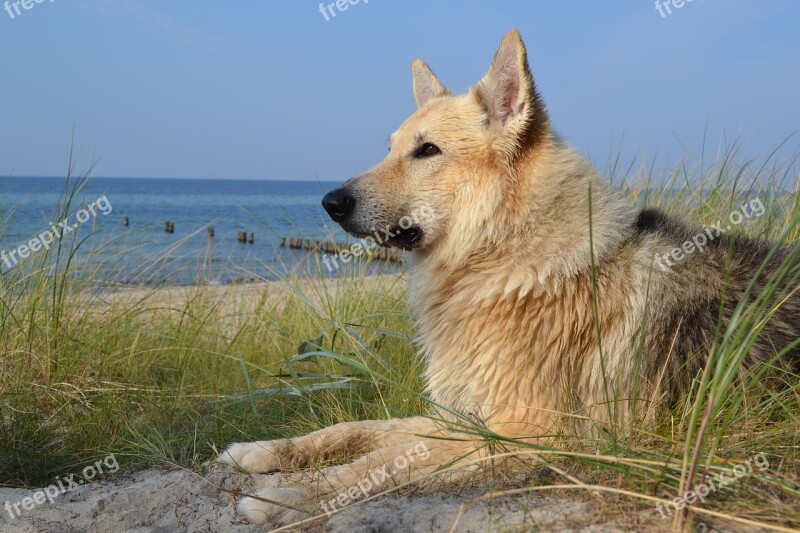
(407, 239)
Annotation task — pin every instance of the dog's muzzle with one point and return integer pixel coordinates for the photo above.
(340, 204)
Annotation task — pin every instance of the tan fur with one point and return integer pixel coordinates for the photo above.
(502, 285)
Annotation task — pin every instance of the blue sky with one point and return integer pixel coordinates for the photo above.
(272, 90)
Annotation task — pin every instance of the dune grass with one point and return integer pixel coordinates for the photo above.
(160, 377)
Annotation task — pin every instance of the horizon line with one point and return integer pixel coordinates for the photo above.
(307, 180)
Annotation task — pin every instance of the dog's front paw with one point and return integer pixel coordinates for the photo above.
(276, 505)
(256, 457)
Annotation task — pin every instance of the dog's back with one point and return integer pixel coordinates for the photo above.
(696, 293)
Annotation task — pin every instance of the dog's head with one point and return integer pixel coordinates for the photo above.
(453, 162)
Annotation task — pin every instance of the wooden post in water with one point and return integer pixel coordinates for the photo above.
(252, 238)
(125, 221)
(210, 232)
(169, 227)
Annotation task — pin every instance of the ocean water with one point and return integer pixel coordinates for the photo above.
(144, 253)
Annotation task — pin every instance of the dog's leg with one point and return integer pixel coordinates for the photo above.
(340, 443)
(376, 471)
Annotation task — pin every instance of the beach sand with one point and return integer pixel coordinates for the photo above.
(154, 501)
(180, 500)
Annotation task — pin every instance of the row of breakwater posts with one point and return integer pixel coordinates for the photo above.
(390, 255)
(169, 227)
(242, 236)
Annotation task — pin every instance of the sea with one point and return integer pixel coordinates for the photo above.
(144, 253)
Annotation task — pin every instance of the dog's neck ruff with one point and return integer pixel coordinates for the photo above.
(524, 299)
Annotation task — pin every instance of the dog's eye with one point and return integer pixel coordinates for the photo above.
(427, 150)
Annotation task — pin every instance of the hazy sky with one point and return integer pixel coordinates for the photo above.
(270, 89)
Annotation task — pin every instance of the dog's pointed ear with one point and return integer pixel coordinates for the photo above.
(426, 85)
(507, 91)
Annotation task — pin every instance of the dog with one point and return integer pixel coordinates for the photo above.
(534, 287)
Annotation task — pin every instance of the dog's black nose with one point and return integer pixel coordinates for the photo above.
(339, 203)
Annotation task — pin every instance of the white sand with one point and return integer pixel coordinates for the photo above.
(180, 500)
